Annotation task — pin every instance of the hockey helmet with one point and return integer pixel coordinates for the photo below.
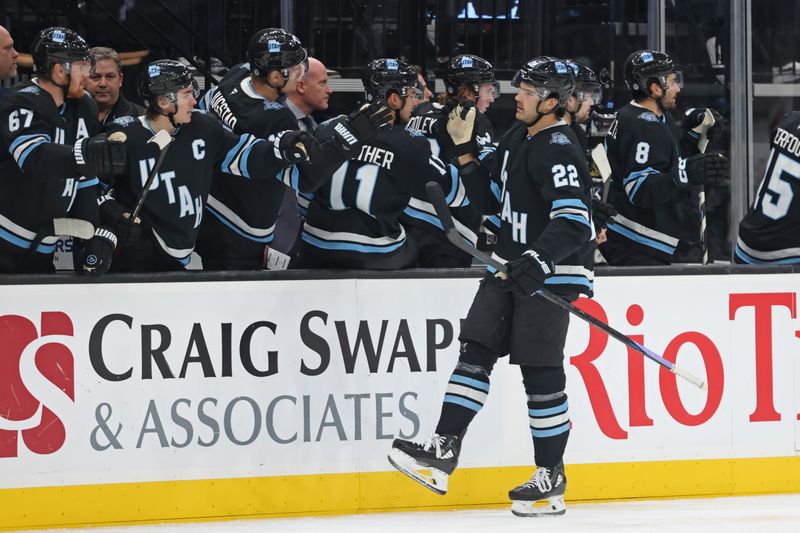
(385, 76)
(551, 76)
(58, 45)
(275, 49)
(645, 66)
(165, 78)
(586, 82)
(472, 71)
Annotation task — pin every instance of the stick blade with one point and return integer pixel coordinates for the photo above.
(162, 139)
(73, 227)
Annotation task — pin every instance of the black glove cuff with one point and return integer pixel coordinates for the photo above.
(470, 147)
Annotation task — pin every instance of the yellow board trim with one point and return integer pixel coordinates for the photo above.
(217, 499)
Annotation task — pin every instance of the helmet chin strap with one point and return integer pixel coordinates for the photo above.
(539, 114)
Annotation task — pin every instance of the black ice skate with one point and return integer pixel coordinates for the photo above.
(429, 463)
(546, 484)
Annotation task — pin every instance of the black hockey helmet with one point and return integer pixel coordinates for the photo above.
(586, 82)
(552, 76)
(469, 70)
(275, 49)
(645, 66)
(58, 45)
(385, 76)
(165, 78)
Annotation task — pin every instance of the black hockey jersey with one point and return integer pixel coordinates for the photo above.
(248, 208)
(202, 149)
(542, 185)
(431, 123)
(644, 152)
(39, 178)
(358, 211)
(770, 232)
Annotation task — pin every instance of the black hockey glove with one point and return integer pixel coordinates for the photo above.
(362, 126)
(294, 145)
(601, 213)
(693, 118)
(100, 156)
(97, 252)
(529, 271)
(114, 215)
(707, 170)
(461, 129)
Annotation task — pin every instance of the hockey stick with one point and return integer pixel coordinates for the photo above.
(702, 143)
(73, 227)
(436, 196)
(162, 139)
(600, 162)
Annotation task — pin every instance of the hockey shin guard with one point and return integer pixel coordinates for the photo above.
(548, 413)
(467, 389)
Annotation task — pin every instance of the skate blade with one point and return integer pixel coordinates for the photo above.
(428, 477)
(551, 507)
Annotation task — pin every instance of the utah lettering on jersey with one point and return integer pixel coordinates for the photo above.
(517, 220)
(187, 205)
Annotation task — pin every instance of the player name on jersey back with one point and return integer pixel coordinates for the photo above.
(786, 141)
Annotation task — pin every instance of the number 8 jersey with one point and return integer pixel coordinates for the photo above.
(647, 185)
(769, 233)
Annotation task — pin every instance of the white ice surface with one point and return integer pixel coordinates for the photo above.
(757, 514)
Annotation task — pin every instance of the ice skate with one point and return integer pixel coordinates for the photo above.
(542, 494)
(429, 463)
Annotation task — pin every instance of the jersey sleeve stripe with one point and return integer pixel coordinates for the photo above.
(246, 155)
(24, 145)
(635, 180)
(232, 154)
(82, 184)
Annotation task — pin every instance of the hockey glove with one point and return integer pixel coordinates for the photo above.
(97, 252)
(294, 145)
(601, 213)
(529, 272)
(461, 129)
(707, 170)
(114, 214)
(363, 125)
(100, 156)
(693, 119)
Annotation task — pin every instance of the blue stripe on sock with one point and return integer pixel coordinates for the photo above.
(482, 385)
(469, 404)
(552, 432)
(557, 410)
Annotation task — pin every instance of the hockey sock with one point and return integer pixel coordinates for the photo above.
(548, 413)
(467, 390)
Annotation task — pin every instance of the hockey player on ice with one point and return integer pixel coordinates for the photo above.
(50, 157)
(546, 239)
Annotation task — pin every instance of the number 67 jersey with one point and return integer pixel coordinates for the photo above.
(770, 232)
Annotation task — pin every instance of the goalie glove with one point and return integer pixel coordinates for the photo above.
(100, 156)
(529, 272)
(461, 129)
